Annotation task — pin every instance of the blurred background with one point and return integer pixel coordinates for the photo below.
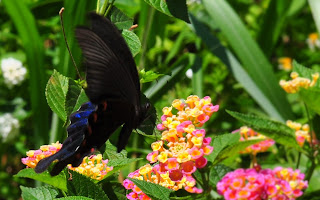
(203, 57)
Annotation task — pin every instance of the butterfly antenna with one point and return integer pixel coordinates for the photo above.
(65, 39)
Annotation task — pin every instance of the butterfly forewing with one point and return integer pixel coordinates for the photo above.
(109, 76)
(113, 38)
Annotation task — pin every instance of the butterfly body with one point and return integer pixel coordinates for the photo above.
(114, 92)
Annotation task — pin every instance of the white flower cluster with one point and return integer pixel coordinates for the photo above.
(9, 127)
(13, 71)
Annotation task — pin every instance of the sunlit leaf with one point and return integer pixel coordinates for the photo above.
(58, 181)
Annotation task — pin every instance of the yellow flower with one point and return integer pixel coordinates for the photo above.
(163, 157)
(183, 157)
(156, 146)
(313, 41)
(285, 63)
(197, 141)
(167, 111)
(293, 86)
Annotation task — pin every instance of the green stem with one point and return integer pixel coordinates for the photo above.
(144, 41)
(298, 162)
(54, 128)
(311, 125)
(98, 5)
(205, 181)
(109, 8)
(311, 170)
(64, 193)
(104, 7)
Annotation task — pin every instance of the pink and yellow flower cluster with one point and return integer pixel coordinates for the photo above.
(249, 134)
(280, 183)
(182, 147)
(34, 156)
(293, 86)
(302, 132)
(93, 167)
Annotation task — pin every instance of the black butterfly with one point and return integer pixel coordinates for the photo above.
(113, 89)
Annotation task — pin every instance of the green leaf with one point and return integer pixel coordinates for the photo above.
(115, 190)
(273, 23)
(179, 68)
(152, 190)
(84, 186)
(56, 92)
(121, 20)
(305, 72)
(111, 152)
(238, 71)
(217, 172)
(220, 142)
(315, 9)
(44, 192)
(75, 97)
(234, 149)
(74, 198)
(119, 164)
(58, 181)
(148, 76)
(133, 41)
(252, 58)
(278, 131)
(311, 97)
(172, 8)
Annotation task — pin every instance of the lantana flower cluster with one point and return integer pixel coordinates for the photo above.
(249, 134)
(34, 156)
(293, 86)
(313, 41)
(285, 63)
(280, 183)
(93, 166)
(181, 149)
(302, 132)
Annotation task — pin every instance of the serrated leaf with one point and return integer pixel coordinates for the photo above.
(44, 192)
(119, 164)
(133, 41)
(56, 90)
(121, 20)
(234, 149)
(111, 152)
(278, 131)
(311, 97)
(217, 172)
(81, 185)
(220, 142)
(148, 76)
(74, 198)
(58, 181)
(75, 97)
(304, 72)
(115, 190)
(152, 190)
(172, 8)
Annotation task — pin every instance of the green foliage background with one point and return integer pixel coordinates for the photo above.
(231, 46)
